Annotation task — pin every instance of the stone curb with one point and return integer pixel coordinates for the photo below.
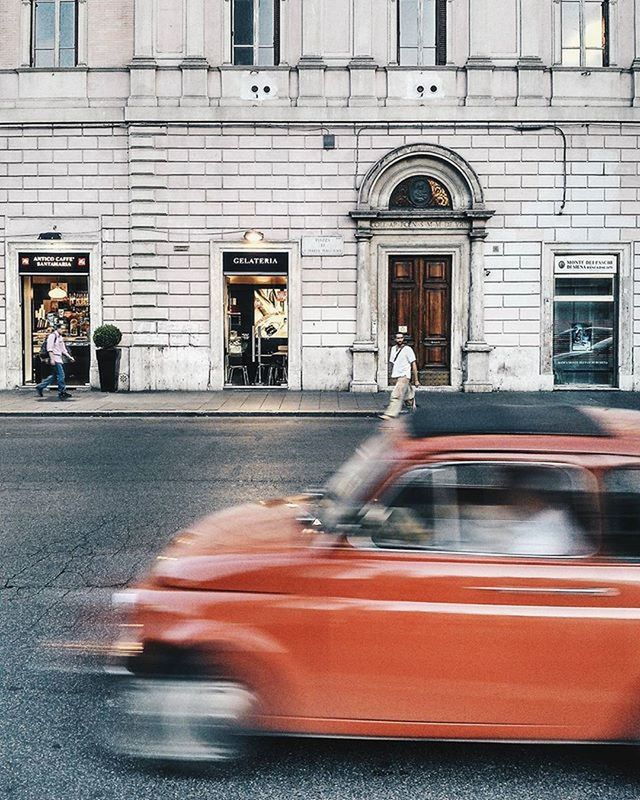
(185, 413)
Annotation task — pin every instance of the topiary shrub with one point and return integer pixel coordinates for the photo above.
(107, 336)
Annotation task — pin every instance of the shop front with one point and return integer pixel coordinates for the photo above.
(55, 291)
(256, 331)
(585, 320)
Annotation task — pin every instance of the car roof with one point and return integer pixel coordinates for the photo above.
(455, 416)
(494, 424)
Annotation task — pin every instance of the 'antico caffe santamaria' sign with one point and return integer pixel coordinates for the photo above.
(53, 263)
(577, 265)
(255, 263)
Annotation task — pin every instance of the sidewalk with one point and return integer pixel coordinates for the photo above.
(232, 402)
(265, 402)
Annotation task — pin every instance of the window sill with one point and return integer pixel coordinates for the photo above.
(583, 70)
(83, 68)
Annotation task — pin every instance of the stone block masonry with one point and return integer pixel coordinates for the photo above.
(164, 191)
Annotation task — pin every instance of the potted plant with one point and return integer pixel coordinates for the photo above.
(106, 338)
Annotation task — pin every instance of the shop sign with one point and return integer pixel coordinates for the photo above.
(322, 246)
(255, 262)
(53, 263)
(576, 265)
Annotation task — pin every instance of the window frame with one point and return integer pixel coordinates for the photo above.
(56, 35)
(255, 45)
(608, 516)
(606, 7)
(392, 489)
(440, 42)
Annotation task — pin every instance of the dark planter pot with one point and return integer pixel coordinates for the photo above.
(108, 367)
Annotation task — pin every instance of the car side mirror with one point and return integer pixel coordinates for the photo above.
(373, 517)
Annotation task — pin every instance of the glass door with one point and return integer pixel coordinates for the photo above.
(256, 330)
(56, 299)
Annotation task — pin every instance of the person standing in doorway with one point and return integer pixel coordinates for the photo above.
(404, 371)
(56, 349)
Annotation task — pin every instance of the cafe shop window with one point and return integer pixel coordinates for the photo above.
(55, 292)
(585, 325)
(584, 33)
(422, 32)
(255, 34)
(54, 33)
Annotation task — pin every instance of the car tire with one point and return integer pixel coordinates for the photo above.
(186, 720)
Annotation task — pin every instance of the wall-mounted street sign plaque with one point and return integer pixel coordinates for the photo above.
(53, 263)
(579, 264)
(260, 262)
(322, 246)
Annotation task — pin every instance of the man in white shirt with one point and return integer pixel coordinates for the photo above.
(404, 371)
(56, 349)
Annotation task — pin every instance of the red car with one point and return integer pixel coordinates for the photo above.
(471, 574)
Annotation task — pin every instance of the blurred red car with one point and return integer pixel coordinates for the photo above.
(471, 574)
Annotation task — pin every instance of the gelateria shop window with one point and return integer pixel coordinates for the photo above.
(256, 318)
(585, 326)
(55, 290)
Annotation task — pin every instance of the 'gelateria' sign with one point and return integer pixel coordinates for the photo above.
(255, 262)
(577, 264)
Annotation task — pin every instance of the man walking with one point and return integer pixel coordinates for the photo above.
(405, 372)
(56, 349)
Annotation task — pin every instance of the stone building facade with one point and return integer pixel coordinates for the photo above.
(475, 185)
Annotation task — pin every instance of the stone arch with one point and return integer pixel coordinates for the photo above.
(439, 162)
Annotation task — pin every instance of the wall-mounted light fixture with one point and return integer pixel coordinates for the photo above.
(253, 236)
(50, 235)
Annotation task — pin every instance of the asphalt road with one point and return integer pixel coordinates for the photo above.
(85, 505)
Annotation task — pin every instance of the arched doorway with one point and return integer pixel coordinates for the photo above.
(420, 227)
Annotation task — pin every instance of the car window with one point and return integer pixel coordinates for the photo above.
(488, 508)
(622, 513)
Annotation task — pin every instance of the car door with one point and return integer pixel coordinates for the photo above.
(449, 618)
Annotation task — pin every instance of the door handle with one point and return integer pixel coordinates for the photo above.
(557, 590)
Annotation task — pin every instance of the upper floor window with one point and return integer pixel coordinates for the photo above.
(54, 33)
(585, 33)
(422, 32)
(256, 32)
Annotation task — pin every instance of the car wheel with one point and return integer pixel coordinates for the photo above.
(182, 719)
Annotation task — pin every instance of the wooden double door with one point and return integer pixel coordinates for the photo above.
(420, 307)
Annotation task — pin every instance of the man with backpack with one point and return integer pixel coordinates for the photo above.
(405, 372)
(52, 352)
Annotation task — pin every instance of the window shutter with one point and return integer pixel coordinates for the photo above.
(605, 33)
(441, 31)
(276, 32)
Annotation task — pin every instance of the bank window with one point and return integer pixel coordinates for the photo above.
(487, 508)
(585, 330)
(585, 33)
(422, 32)
(256, 32)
